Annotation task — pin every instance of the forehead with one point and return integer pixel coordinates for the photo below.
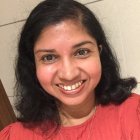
(66, 33)
(64, 26)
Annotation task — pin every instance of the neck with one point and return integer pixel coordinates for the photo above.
(75, 115)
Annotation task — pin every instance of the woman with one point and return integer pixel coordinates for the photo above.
(68, 80)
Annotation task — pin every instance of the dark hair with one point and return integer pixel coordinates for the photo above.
(34, 103)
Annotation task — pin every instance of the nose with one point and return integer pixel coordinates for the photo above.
(68, 70)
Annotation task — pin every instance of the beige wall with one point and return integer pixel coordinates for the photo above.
(121, 21)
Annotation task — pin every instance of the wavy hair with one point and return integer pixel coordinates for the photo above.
(34, 104)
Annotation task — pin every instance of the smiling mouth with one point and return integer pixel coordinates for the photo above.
(71, 87)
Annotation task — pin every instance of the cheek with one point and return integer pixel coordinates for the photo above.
(93, 68)
(96, 68)
(45, 75)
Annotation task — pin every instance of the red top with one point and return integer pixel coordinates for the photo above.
(111, 122)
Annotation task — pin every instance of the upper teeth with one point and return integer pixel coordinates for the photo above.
(71, 87)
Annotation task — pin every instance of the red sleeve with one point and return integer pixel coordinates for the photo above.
(131, 118)
(5, 133)
(17, 131)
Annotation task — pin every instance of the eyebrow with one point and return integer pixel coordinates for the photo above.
(74, 46)
(83, 43)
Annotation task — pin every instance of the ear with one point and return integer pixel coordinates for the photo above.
(100, 49)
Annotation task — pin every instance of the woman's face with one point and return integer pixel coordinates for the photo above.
(67, 63)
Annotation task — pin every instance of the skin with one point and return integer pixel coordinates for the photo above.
(65, 54)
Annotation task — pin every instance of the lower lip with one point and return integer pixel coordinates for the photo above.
(72, 92)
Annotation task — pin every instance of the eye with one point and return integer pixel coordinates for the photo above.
(49, 58)
(82, 53)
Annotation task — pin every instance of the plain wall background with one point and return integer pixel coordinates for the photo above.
(120, 19)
